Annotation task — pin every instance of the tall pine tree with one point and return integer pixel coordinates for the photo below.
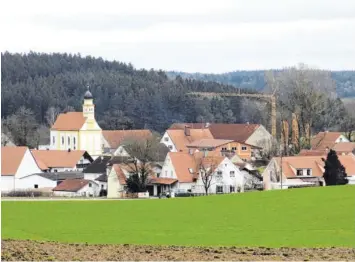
(334, 171)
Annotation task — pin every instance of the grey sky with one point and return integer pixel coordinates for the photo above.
(192, 36)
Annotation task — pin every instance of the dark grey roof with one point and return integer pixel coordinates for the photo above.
(88, 95)
(98, 166)
(102, 178)
(61, 175)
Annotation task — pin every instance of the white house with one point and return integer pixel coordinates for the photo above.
(62, 161)
(77, 188)
(301, 171)
(46, 180)
(16, 162)
(183, 172)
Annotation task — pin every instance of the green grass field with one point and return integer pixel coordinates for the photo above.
(312, 217)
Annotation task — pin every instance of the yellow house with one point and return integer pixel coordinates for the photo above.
(78, 130)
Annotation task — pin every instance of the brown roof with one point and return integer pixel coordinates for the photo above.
(71, 185)
(324, 139)
(306, 152)
(209, 143)
(163, 180)
(290, 164)
(181, 141)
(69, 121)
(119, 172)
(115, 137)
(186, 165)
(344, 147)
(11, 157)
(57, 158)
(237, 132)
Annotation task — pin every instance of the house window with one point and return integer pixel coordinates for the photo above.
(219, 173)
(244, 148)
(234, 148)
(90, 185)
(68, 140)
(74, 140)
(170, 147)
(308, 172)
(62, 140)
(53, 138)
(232, 173)
(166, 139)
(299, 172)
(35, 186)
(219, 189)
(224, 149)
(232, 189)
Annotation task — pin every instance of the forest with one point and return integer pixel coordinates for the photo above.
(345, 80)
(36, 87)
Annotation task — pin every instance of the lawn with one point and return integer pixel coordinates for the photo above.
(311, 217)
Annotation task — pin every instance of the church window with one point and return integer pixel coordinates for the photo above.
(62, 140)
(68, 140)
(53, 138)
(74, 141)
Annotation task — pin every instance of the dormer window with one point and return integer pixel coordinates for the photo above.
(309, 172)
(299, 172)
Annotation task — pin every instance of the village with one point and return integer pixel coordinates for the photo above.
(189, 159)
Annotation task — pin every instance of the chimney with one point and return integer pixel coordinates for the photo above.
(187, 131)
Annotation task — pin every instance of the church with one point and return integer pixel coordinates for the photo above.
(78, 130)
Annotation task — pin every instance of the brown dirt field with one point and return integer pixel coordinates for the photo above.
(16, 250)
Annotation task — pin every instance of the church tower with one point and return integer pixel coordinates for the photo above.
(89, 107)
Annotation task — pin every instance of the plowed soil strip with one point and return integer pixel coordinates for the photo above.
(17, 250)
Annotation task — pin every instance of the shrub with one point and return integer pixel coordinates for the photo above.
(24, 193)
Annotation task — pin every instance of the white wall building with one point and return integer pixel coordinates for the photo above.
(16, 162)
(77, 188)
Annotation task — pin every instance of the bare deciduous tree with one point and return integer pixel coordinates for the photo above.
(206, 170)
(51, 115)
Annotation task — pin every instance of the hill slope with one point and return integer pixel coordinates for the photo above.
(125, 98)
(345, 80)
(294, 218)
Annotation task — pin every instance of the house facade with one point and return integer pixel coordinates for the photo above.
(185, 173)
(78, 130)
(16, 162)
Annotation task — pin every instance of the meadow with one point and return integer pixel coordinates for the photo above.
(310, 217)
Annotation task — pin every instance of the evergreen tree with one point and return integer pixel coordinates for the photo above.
(334, 171)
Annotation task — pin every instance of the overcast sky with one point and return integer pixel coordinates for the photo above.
(192, 36)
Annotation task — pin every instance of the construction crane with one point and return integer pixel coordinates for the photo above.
(270, 97)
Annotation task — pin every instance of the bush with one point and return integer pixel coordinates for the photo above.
(183, 195)
(24, 193)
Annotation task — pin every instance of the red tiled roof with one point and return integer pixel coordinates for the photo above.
(11, 157)
(236, 132)
(115, 137)
(69, 121)
(290, 164)
(186, 165)
(181, 141)
(57, 158)
(306, 152)
(163, 180)
(209, 143)
(344, 147)
(71, 185)
(324, 140)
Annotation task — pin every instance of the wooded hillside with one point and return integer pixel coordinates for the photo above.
(124, 97)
